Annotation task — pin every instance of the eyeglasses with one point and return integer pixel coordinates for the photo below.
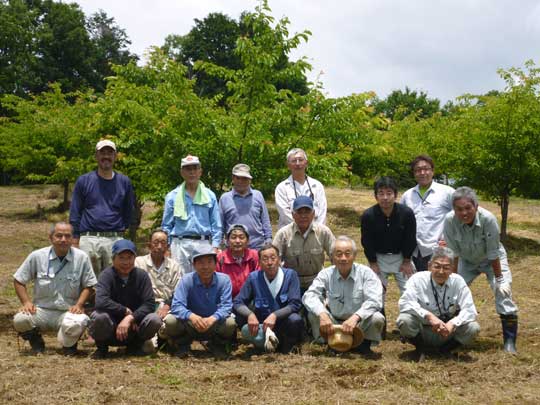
(422, 169)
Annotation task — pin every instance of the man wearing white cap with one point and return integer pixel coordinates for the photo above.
(63, 281)
(191, 215)
(296, 185)
(102, 207)
(245, 205)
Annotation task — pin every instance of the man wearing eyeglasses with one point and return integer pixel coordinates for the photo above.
(302, 244)
(296, 185)
(430, 201)
(437, 309)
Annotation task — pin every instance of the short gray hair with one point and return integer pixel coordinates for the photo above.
(53, 227)
(442, 251)
(294, 151)
(343, 238)
(467, 193)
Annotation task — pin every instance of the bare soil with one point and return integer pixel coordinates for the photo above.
(483, 374)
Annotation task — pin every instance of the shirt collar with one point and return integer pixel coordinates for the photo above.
(68, 257)
(199, 283)
(297, 230)
(229, 258)
(236, 193)
(352, 274)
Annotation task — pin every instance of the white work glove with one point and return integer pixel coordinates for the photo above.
(503, 286)
(271, 341)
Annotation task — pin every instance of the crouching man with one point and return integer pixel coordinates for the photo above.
(201, 308)
(63, 282)
(437, 309)
(124, 314)
(275, 323)
(347, 294)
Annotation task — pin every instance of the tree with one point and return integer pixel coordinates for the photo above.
(400, 104)
(499, 139)
(214, 40)
(47, 42)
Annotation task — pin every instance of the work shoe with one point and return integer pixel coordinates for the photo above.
(219, 350)
(182, 351)
(449, 345)
(102, 352)
(135, 349)
(70, 351)
(365, 348)
(150, 346)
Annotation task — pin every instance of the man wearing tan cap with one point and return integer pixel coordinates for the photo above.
(245, 205)
(191, 215)
(102, 207)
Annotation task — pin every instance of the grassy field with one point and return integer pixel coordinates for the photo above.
(482, 375)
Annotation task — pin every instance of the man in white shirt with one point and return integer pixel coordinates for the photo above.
(437, 309)
(347, 294)
(296, 185)
(430, 202)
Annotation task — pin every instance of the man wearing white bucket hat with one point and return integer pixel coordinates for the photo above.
(63, 282)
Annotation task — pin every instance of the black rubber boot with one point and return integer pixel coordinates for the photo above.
(383, 332)
(449, 345)
(35, 339)
(509, 329)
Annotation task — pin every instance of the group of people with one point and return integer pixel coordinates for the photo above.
(213, 267)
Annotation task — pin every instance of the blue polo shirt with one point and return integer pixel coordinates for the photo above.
(192, 296)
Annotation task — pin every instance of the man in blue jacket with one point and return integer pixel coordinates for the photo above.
(275, 292)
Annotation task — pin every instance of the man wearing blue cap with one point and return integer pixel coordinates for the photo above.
(302, 243)
(201, 308)
(125, 304)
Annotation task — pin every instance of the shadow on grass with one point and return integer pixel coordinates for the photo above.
(37, 213)
(520, 246)
(344, 217)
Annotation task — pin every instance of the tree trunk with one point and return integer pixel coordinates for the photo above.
(65, 203)
(505, 202)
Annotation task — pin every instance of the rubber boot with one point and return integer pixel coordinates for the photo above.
(509, 329)
(383, 332)
(418, 343)
(35, 339)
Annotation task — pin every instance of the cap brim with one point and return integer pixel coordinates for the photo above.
(202, 255)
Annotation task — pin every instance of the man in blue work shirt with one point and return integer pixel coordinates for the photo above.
(201, 306)
(191, 215)
(102, 207)
(246, 206)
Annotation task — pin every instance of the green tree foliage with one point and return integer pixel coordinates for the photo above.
(45, 41)
(47, 139)
(400, 104)
(214, 40)
(499, 139)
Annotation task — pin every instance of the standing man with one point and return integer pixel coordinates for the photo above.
(246, 206)
(102, 207)
(191, 215)
(303, 243)
(437, 308)
(296, 185)
(472, 232)
(430, 202)
(389, 235)
(347, 294)
(63, 282)
(201, 307)
(125, 304)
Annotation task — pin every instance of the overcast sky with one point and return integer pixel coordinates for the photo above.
(445, 48)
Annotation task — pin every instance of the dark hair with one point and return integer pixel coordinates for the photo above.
(385, 182)
(157, 230)
(267, 246)
(422, 157)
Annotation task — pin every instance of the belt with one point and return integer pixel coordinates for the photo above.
(105, 234)
(195, 237)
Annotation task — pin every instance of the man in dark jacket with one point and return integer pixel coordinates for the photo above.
(125, 304)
